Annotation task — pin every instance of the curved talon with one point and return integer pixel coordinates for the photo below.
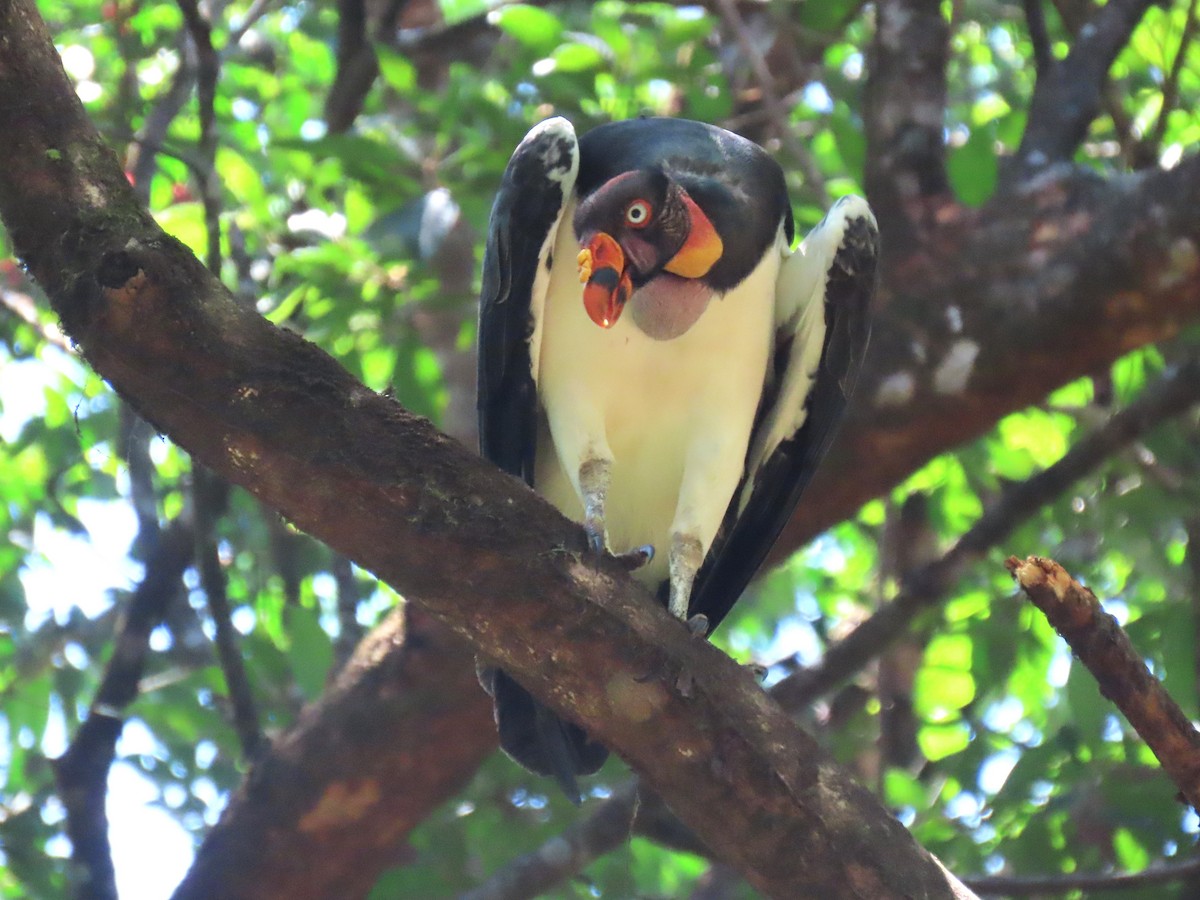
(758, 670)
(595, 537)
(685, 684)
(634, 559)
(698, 625)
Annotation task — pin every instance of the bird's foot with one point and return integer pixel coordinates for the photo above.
(593, 484)
(686, 556)
(636, 558)
(698, 625)
(594, 529)
(758, 670)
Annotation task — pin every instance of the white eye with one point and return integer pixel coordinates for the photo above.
(638, 213)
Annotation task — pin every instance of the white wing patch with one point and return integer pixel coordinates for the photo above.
(800, 310)
(565, 176)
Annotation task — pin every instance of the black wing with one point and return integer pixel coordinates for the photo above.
(829, 282)
(538, 182)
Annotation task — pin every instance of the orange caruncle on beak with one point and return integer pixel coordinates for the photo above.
(702, 248)
(607, 285)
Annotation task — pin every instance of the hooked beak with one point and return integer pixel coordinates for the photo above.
(606, 280)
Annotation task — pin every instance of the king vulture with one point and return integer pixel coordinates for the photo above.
(659, 363)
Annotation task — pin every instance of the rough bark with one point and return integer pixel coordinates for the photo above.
(327, 796)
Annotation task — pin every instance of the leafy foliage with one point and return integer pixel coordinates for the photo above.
(366, 241)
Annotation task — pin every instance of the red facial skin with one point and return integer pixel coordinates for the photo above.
(607, 284)
(604, 266)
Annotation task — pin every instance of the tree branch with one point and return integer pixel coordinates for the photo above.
(271, 412)
(777, 112)
(1039, 37)
(904, 107)
(402, 727)
(1068, 95)
(1113, 262)
(209, 499)
(357, 64)
(1041, 885)
(24, 308)
(356, 67)
(1104, 647)
(81, 773)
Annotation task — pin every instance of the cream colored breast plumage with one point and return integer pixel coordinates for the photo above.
(663, 409)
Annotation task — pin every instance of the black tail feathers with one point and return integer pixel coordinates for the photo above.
(538, 739)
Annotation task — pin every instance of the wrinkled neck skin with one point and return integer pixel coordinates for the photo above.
(667, 305)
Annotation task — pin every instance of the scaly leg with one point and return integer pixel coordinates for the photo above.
(687, 553)
(709, 478)
(595, 475)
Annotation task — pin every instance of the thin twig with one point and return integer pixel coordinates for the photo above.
(1068, 98)
(81, 773)
(1104, 648)
(1031, 885)
(210, 493)
(566, 853)
(256, 11)
(1170, 91)
(777, 112)
(350, 632)
(24, 307)
(142, 163)
(1039, 37)
(210, 496)
(208, 69)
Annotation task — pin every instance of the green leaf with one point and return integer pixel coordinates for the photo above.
(576, 57)
(1088, 709)
(531, 25)
(397, 71)
(901, 788)
(939, 693)
(974, 166)
(310, 650)
(456, 10)
(940, 741)
(851, 142)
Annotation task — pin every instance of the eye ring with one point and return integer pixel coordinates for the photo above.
(638, 214)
